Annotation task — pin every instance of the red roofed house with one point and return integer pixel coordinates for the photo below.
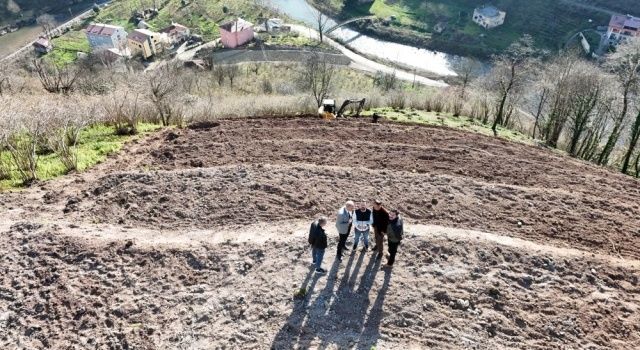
(236, 33)
(623, 27)
(42, 45)
(106, 36)
(145, 42)
(176, 32)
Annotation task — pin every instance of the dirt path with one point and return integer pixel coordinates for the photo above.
(288, 231)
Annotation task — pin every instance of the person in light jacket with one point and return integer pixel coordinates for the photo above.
(344, 222)
(363, 218)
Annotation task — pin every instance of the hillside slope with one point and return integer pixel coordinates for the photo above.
(195, 238)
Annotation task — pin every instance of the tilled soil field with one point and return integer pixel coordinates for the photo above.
(241, 171)
(195, 239)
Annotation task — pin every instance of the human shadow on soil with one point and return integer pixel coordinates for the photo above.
(344, 315)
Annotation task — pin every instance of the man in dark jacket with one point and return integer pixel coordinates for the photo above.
(380, 223)
(395, 231)
(318, 242)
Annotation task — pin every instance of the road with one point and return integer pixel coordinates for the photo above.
(60, 28)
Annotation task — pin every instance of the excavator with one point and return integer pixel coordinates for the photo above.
(328, 109)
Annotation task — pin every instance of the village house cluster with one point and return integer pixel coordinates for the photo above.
(115, 42)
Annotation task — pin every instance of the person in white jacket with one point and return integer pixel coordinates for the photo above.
(362, 221)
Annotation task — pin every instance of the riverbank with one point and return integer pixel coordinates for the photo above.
(448, 27)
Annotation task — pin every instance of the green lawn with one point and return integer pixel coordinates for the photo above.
(447, 120)
(66, 48)
(95, 145)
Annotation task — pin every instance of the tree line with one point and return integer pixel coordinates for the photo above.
(588, 108)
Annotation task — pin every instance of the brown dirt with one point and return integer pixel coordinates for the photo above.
(270, 169)
(194, 239)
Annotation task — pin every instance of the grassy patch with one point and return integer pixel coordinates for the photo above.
(66, 48)
(447, 120)
(95, 145)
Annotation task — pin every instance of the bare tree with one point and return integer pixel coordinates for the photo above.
(468, 71)
(27, 123)
(626, 65)
(231, 72)
(47, 22)
(321, 24)
(219, 73)
(588, 87)
(509, 73)
(317, 76)
(56, 79)
(162, 88)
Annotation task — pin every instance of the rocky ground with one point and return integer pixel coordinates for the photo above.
(195, 239)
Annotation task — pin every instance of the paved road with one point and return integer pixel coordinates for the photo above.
(364, 64)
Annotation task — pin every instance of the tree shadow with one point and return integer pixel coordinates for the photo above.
(338, 316)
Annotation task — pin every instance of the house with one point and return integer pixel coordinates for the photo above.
(42, 45)
(176, 33)
(488, 16)
(104, 36)
(236, 33)
(623, 27)
(145, 42)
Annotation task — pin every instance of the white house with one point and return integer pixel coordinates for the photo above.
(105, 36)
(488, 16)
(176, 32)
(623, 27)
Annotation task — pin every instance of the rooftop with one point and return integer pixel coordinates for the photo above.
(44, 42)
(625, 21)
(140, 35)
(488, 11)
(236, 26)
(174, 26)
(102, 29)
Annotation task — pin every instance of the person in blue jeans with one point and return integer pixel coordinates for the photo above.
(363, 218)
(318, 242)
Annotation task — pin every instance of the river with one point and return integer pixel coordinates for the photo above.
(427, 60)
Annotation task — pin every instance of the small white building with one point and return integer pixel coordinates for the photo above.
(488, 16)
(176, 33)
(105, 36)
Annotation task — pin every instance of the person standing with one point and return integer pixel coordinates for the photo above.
(363, 219)
(318, 241)
(395, 232)
(344, 221)
(380, 223)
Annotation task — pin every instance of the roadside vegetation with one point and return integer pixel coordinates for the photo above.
(447, 25)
